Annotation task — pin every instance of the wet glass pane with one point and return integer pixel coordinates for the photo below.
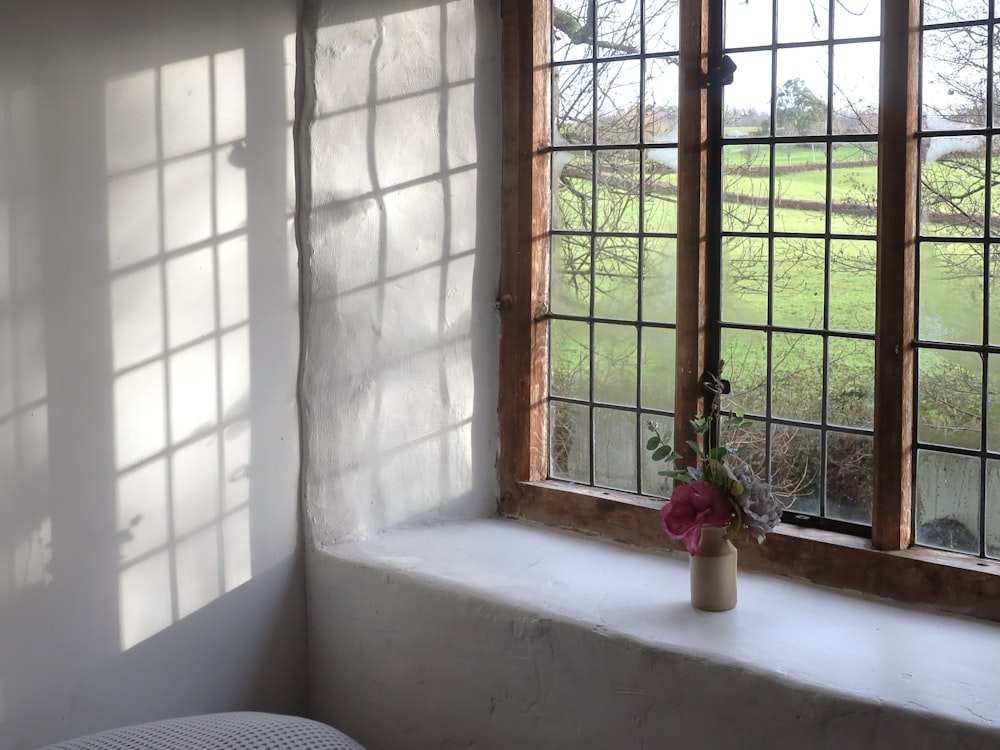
(616, 277)
(658, 349)
(572, 37)
(851, 387)
(852, 285)
(661, 101)
(569, 442)
(994, 291)
(802, 20)
(615, 444)
(745, 354)
(573, 104)
(947, 502)
(993, 403)
(745, 189)
(952, 186)
(573, 189)
(747, 100)
(659, 280)
(951, 292)
(800, 106)
(797, 376)
(993, 509)
(854, 18)
(744, 279)
(615, 364)
(618, 104)
(949, 398)
(661, 25)
(569, 279)
(618, 176)
(569, 371)
(849, 468)
(796, 456)
(954, 71)
(854, 182)
(660, 214)
(797, 283)
(994, 222)
(748, 24)
(949, 11)
(855, 88)
(618, 27)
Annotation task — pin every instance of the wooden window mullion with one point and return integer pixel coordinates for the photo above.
(895, 280)
(524, 235)
(692, 220)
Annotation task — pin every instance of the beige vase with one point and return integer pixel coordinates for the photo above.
(713, 572)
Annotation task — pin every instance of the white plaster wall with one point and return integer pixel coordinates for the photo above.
(401, 147)
(150, 562)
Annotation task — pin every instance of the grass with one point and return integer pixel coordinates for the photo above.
(951, 308)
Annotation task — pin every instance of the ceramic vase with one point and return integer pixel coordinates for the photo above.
(713, 572)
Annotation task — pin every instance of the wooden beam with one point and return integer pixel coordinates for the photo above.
(521, 302)
(692, 223)
(892, 525)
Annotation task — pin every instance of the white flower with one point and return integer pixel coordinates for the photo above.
(761, 510)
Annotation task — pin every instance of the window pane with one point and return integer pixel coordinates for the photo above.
(661, 25)
(748, 24)
(745, 189)
(800, 21)
(947, 508)
(854, 182)
(660, 209)
(569, 442)
(572, 36)
(615, 369)
(851, 390)
(745, 354)
(795, 467)
(658, 368)
(659, 280)
(948, 11)
(800, 106)
(798, 282)
(573, 104)
(618, 27)
(993, 509)
(618, 191)
(573, 190)
(615, 443)
(661, 101)
(952, 186)
(652, 482)
(797, 373)
(569, 279)
(618, 102)
(993, 403)
(855, 88)
(748, 97)
(849, 468)
(852, 285)
(616, 277)
(570, 359)
(744, 279)
(949, 398)
(951, 292)
(954, 77)
(854, 18)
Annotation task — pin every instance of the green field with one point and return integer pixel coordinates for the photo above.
(808, 290)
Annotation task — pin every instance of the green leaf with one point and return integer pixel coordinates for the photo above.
(696, 448)
(719, 452)
(661, 453)
(695, 473)
(653, 443)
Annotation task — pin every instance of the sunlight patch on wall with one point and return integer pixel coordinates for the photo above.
(178, 258)
(25, 523)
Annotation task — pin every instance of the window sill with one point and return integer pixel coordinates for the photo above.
(945, 581)
(878, 657)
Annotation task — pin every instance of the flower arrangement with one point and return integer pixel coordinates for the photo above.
(714, 493)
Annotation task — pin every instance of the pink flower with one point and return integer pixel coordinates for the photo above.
(692, 506)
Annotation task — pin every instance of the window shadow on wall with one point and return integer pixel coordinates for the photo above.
(148, 348)
(403, 241)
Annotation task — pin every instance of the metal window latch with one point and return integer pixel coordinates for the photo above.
(721, 75)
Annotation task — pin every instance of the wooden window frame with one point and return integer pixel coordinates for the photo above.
(884, 566)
